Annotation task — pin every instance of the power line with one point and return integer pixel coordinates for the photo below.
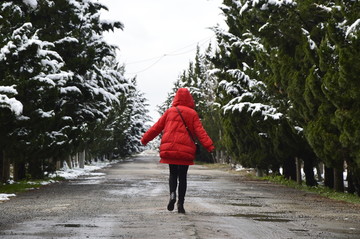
(172, 53)
(148, 67)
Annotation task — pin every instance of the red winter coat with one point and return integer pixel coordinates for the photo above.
(176, 145)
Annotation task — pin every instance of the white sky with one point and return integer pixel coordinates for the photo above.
(159, 39)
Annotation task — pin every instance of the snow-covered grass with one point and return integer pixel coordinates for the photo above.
(75, 172)
(10, 190)
(6, 196)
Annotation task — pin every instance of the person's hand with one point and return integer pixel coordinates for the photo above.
(211, 148)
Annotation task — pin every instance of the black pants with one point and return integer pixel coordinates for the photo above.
(178, 172)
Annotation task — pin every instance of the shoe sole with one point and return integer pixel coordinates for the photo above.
(171, 205)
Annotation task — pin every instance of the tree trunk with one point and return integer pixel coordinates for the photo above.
(309, 173)
(68, 162)
(275, 169)
(82, 159)
(19, 171)
(329, 177)
(298, 170)
(351, 184)
(320, 171)
(339, 179)
(59, 164)
(259, 172)
(36, 169)
(222, 157)
(290, 169)
(1, 164)
(5, 168)
(87, 156)
(355, 176)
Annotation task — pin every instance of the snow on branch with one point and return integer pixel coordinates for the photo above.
(264, 4)
(323, 7)
(242, 77)
(67, 89)
(32, 3)
(11, 103)
(312, 44)
(265, 110)
(66, 39)
(8, 90)
(353, 28)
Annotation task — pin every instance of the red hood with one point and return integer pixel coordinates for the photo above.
(184, 98)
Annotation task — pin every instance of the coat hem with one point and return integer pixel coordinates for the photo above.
(177, 162)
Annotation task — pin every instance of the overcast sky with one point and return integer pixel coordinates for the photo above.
(159, 39)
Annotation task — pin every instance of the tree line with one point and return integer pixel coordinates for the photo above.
(282, 85)
(63, 94)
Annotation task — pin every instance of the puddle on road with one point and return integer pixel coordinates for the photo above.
(74, 225)
(262, 217)
(272, 220)
(245, 205)
(251, 215)
(298, 230)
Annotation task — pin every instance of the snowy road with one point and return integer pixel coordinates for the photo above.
(130, 200)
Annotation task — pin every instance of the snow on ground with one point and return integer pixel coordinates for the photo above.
(75, 172)
(68, 173)
(4, 196)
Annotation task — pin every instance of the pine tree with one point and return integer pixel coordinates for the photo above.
(251, 74)
(33, 68)
(242, 93)
(338, 60)
(88, 95)
(57, 86)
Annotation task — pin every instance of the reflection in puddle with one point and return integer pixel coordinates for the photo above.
(262, 217)
(272, 220)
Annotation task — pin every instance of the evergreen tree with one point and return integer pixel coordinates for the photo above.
(59, 82)
(249, 68)
(338, 60)
(33, 68)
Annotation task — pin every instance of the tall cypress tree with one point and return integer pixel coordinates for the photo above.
(55, 70)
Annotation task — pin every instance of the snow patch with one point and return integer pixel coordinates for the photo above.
(75, 172)
(5, 197)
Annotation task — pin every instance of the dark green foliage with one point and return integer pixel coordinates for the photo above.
(288, 85)
(61, 90)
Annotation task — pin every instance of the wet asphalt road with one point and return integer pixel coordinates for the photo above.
(129, 201)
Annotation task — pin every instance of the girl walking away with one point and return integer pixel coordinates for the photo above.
(178, 125)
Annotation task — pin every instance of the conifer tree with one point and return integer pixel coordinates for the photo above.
(33, 69)
(250, 71)
(57, 88)
(338, 60)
